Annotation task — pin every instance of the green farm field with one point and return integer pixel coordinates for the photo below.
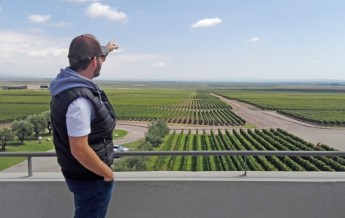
(192, 103)
(18, 104)
(197, 106)
(324, 107)
(173, 105)
(252, 139)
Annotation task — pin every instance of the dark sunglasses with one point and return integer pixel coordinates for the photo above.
(102, 56)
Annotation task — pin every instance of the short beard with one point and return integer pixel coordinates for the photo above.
(97, 71)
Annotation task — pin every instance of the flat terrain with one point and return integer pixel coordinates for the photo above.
(333, 137)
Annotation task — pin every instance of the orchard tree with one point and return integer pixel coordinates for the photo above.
(157, 130)
(147, 146)
(38, 122)
(5, 135)
(22, 129)
(46, 116)
(153, 139)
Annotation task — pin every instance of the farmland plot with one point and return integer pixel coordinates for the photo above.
(175, 106)
(324, 108)
(18, 104)
(252, 139)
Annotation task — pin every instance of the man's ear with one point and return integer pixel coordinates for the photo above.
(94, 62)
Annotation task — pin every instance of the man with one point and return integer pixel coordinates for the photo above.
(83, 121)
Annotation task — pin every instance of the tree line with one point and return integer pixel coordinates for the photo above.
(33, 124)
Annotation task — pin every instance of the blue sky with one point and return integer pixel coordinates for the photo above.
(210, 40)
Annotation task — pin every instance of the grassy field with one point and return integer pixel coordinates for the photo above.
(31, 145)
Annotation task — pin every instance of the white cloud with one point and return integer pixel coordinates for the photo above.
(254, 40)
(32, 53)
(207, 22)
(37, 18)
(159, 65)
(100, 10)
(22, 45)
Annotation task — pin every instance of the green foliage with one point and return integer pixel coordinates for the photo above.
(244, 140)
(193, 106)
(161, 162)
(174, 106)
(119, 133)
(39, 123)
(31, 145)
(131, 163)
(147, 146)
(155, 140)
(157, 130)
(46, 116)
(18, 104)
(6, 135)
(22, 129)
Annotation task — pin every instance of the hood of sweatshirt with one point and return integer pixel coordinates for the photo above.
(67, 79)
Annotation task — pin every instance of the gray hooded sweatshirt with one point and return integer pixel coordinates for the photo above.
(67, 79)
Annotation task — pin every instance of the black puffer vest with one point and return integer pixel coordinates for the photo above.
(100, 139)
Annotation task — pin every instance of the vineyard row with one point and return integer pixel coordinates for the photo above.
(263, 140)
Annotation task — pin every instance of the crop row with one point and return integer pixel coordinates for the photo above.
(199, 109)
(10, 112)
(324, 108)
(175, 106)
(264, 140)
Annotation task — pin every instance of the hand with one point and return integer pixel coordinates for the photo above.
(111, 45)
(110, 176)
(109, 179)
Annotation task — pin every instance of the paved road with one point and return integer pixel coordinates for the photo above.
(334, 137)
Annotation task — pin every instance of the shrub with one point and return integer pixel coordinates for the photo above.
(157, 130)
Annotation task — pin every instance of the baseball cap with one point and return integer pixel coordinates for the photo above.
(85, 46)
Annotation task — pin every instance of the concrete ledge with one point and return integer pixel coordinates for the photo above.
(185, 194)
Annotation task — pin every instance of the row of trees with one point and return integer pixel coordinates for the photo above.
(33, 124)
